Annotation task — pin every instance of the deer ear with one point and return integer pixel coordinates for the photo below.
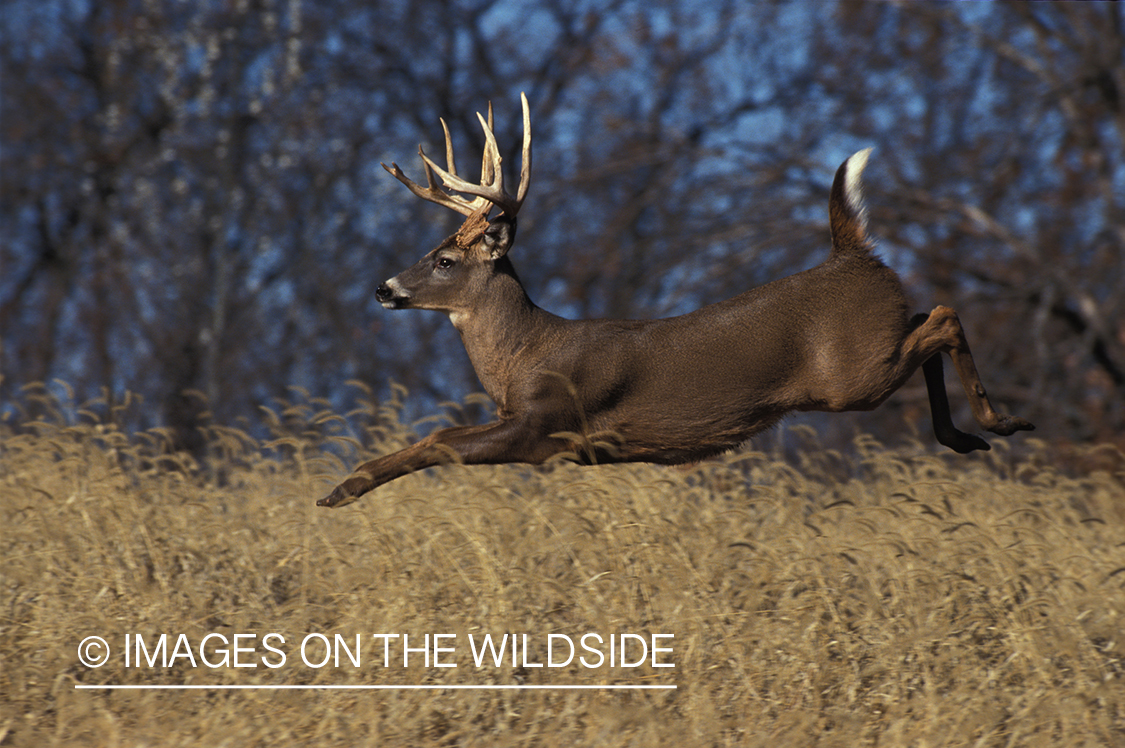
(499, 236)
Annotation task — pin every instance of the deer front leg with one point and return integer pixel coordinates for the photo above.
(940, 331)
(514, 440)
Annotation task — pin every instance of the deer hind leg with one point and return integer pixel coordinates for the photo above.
(940, 332)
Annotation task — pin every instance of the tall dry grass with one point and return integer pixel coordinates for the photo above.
(894, 598)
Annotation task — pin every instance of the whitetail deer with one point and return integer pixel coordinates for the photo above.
(837, 337)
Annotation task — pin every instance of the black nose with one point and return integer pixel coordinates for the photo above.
(383, 293)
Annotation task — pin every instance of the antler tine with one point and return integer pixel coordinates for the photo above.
(486, 163)
(491, 164)
(449, 163)
(430, 181)
(525, 158)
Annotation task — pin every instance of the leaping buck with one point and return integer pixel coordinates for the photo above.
(837, 337)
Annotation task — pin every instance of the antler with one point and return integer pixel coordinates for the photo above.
(490, 191)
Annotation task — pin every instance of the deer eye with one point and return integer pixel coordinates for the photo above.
(445, 263)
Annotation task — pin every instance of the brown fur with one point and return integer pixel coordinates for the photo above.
(836, 337)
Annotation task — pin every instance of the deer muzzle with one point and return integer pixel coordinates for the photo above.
(391, 295)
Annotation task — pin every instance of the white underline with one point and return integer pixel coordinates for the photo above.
(482, 687)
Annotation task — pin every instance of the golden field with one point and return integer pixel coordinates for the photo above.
(907, 597)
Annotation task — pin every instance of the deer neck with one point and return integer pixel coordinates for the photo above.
(495, 333)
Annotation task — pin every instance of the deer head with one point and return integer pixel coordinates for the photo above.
(456, 275)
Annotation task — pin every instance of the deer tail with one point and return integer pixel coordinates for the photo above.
(847, 213)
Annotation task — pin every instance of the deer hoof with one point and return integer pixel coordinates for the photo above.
(338, 498)
(963, 443)
(333, 499)
(348, 491)
(1011, 424)
(958, 440)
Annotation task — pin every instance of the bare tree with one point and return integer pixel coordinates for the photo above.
(191, 202)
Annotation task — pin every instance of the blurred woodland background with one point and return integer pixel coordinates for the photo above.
(192, 207)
